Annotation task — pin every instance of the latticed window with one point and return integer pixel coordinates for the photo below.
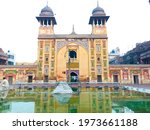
(46, 59)
(99, 69)
(98, 59)
(46, 48)
(46, 69)
(98, 48)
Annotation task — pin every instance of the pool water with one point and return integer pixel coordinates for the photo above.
(88, 100)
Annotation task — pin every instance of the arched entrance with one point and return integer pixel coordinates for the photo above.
(70, 59)
(73, 77)
(30, 78)
(136, 79)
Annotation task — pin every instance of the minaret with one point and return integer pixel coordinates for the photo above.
(98, 20)
(46, 20)
(99, 46)
(46, 46)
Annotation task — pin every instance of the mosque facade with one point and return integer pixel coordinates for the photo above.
(75, 57)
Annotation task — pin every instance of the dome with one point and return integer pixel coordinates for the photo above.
(98, 11)
(46, 12)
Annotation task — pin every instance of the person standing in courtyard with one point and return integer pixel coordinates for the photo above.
(4, 87)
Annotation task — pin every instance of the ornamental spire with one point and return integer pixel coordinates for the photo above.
(47, 3)
(97, 3)
(73, 32)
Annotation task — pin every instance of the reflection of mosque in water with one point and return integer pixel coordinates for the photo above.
(83, 102)
(5, 106)
(92, 100)
(89, 100)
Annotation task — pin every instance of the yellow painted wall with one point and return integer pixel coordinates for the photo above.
(83, 63)
(61, 63)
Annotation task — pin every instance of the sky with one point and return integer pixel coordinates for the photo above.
(129, 23)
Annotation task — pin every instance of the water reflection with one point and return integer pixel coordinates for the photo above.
(89, 100)
(5, 106)
(138, 106)
(17, 107)
(62, 98)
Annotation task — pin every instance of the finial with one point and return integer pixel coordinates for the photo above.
(73, 32)
(47, 3)
(97, 3)
(73, 28)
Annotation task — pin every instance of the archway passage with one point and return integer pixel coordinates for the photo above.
(73, 77)
(115, 78)
(30, 78)
(10, 79)
(136, 79)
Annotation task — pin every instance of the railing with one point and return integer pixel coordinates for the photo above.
(71, 84)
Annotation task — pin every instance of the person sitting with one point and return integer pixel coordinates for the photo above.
(4, 87)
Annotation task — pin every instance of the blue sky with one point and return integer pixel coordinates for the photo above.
(129, 23)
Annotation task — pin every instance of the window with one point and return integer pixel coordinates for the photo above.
(46, 70)
(72, 54)
(10, 63)
(98, 48)
(46, 59)
(46, 48)
(11, 56)
(99, 78)
(99, 69)
(45, 78)
(45, 22)
(98, 58)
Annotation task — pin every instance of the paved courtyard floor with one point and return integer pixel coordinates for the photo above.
(145, 86)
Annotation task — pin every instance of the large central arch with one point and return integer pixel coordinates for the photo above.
(80, 64)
